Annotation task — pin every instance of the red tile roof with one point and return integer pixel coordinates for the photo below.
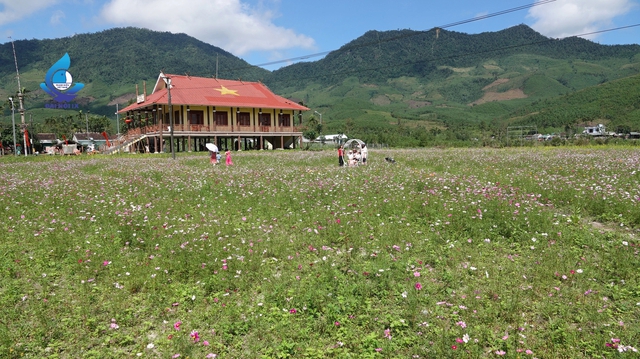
(202, 91)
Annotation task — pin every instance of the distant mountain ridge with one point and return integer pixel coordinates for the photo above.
(438, 79)
(399, 83)
(111, 62)
(381, 55)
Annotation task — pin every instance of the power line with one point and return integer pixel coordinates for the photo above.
(457, 23)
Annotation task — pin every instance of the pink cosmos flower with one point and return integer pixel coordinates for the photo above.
(195, 336)
(418, 286)
(454, 347)
(387, 333)
(459, 340)
(176, 325)
(500, 352)
(293, 311)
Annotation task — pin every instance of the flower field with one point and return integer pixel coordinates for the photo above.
(456, 253)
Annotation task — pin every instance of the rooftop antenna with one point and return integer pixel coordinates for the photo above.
(20, 95)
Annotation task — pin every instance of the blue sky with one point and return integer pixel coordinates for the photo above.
(262, 31)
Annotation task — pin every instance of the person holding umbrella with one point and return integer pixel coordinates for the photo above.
(213, 150)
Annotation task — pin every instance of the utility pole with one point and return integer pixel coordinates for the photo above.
(167, 80)
(20, 95)
(13, 123)
(117, 121)
(171, 119)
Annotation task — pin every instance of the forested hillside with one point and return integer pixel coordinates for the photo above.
(413, 86)
(615, 103)
(110, 63)
(410, 88)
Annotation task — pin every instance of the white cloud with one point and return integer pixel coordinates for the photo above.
(14, 10)
(57, 17)
(564, 18)
(228, 24)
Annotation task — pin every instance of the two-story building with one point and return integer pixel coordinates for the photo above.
(232, 114)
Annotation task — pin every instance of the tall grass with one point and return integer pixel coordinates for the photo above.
(447, 253)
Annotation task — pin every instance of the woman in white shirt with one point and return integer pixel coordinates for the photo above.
(364, 152)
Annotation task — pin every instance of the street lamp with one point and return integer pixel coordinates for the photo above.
(320, 116)
(13, 123)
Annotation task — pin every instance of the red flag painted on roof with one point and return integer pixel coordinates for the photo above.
(204, 91)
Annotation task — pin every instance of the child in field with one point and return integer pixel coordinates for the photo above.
(228, 162)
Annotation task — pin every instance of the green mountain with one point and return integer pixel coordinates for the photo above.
(615, 103)
(400, 87)
(110, 63)
(410, 86)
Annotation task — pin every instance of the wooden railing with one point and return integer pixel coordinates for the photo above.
(134, 132)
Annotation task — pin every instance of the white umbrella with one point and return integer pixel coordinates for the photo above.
(211, 147)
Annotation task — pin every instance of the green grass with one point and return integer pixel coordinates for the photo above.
(286, 255)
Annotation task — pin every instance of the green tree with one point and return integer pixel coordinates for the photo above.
(312, 129)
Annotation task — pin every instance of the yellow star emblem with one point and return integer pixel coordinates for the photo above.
(225, 91)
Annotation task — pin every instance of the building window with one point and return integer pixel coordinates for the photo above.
(265, 119)
(285, 120)
(196, 117)
(177, 119)
(221, 118)
(244, 119)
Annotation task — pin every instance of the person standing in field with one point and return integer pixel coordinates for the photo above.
(340, 156)
(364, 152)
(214, 155)
(213, 160)
(228, 161)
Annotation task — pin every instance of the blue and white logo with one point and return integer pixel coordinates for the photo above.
(58, 82)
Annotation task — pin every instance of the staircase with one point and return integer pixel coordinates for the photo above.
(129, 142)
